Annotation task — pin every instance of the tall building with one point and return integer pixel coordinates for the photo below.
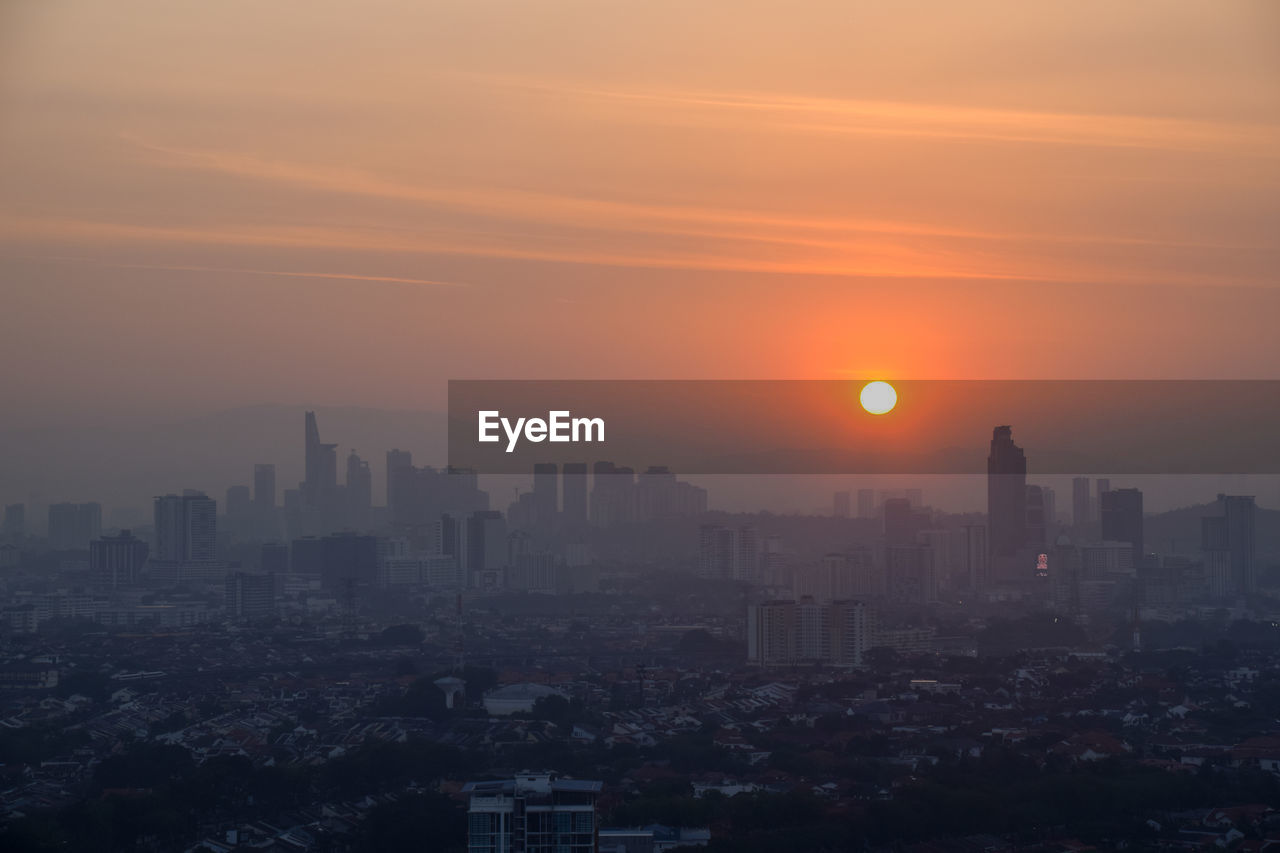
(1050, 501)
(974, 559)
(1006, 494)
(903, 522)
(15, 522)
(574, 483)
(358, 492)
(1037, 522)
(73, 526)
(264, 487)
(546, 497)
(729, 553)
(400, 486)
(238, 508)
(186, 528)
(249, 597)
(841, 505)
(532, 813)
(805, 631)
(866, 503)
(320, 488)
(1080, 501)
(486, 548)
(1229, 545)
(116, 561)
(1120, 512)
(186, 539)
(612, 494)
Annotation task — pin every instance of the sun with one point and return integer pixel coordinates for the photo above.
(878, 397)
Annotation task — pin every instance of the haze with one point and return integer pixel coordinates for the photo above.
(223, 204)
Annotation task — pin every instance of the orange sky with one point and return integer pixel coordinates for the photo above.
(206, 205)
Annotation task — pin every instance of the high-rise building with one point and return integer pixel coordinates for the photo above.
(186, 539)
(841, 505)
(612, 494)
(1006, 494)
(1080, 501)
(729, 553)
(250, 597)
(909, 572)
(546, 497)
(1229, 545)
(866, 503)
(806, 631)
(116, 561)
(15, 522)
(486, 548)
(320, 488)
(1049, 498)
(574, 482)
(186, 528)
(264, 487)
(1120, 512)
(358, 492)
(532, 813)
(903, 522)
(400, 486)
(974, 561)
(73, 526)
(1037, 523)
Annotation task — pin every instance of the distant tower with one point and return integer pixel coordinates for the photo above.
(1080, 501)
(1006, 493)
(575, 494)
(1120, 512)
(546, 497)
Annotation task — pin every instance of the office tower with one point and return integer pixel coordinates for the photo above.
(15, 522)
(264, 487)
(915, 497)
(400, 486)
(359, 492)
(944, 549)
(574, 483)
(1229, 545)
(1120, 512)
(974, 556)
(486, 548)
(116, 561)
(1080, 501)
(239, 512)
(73, 526)
(1035, 518)
(546, 497)
(717, 549)
(1006, 494)
(1065, 575)
(841, 505)
(657, 494)
(612, 494)
(746, 558)
(320, 488)
(186, 527)
(1104, 485)
(1050, 500)
(866, 503)
(249, 597)
(532, 813)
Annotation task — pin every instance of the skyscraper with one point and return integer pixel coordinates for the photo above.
(116, 561)
(1229, 545)
(866, 503)
(1120, 512)
(264, 486)
(841, 505)
(320, 488)
(15, 522)
(575, 494)
(1006, 493)
(546, 496)
(186, 528)
(400, 486)
(358, 492)
(1080, 501)
(1036, 522)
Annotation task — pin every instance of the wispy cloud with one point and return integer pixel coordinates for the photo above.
(772, 111)
(250, 271)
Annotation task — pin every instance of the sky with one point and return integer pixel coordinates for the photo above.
(211, 205)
